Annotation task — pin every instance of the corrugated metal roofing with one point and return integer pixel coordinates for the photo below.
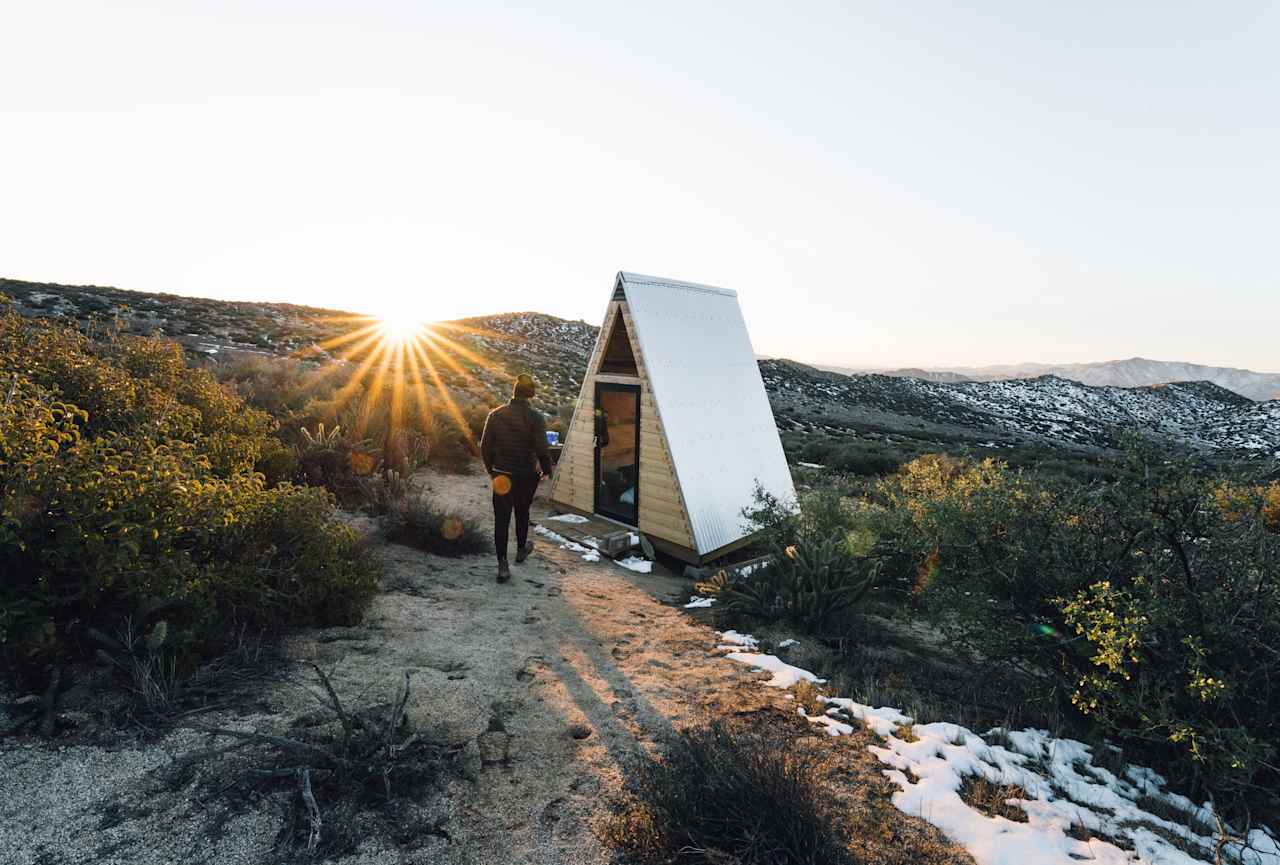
(711, 399)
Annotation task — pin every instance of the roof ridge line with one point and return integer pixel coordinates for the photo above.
(629, 278)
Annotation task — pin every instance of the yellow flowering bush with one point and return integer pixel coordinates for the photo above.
(126, 484)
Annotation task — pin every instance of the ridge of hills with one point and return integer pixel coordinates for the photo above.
(1042, 411)
(1129, 372)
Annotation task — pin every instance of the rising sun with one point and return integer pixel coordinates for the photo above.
(395, 360)
(399, 328)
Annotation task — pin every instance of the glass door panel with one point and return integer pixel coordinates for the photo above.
(617, 431)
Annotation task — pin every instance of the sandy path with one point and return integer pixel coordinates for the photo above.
(568, 647)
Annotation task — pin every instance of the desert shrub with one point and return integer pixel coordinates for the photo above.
(135, 385)
(282, 387)
(1151, 602)
(1181, 642)
(823, 562)
(416, 522)
(1271, 508)
(453, 439)
(97, 523)
(330, 458)
(344, 772)
(811, 584)
(277, 462)
(729, 794)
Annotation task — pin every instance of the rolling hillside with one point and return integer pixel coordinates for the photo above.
(1048, 411)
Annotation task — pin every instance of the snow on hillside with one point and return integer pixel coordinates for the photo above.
(1075, 809)
(1051, 409)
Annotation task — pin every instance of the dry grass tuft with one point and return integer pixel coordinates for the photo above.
(991, 799)
(809, 697)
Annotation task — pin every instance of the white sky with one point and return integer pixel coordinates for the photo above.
(883, 183)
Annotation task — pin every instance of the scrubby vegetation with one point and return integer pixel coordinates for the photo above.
(730, 794)
(820, 567)
(1145, 610)
(344, 773)
(416, 522)
(344, 426)
(130, 505)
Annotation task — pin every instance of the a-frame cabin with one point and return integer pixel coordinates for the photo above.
(673, 429)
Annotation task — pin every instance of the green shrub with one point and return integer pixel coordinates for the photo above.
(277, 462)
(165, 511)
(415, 522)
(811, 584)
(823, 562)
(1152, 602)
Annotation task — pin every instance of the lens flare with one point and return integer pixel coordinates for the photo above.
(399, 329)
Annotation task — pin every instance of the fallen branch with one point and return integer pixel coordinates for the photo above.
(313, 809)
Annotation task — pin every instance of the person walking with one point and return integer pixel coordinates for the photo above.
(515, 453)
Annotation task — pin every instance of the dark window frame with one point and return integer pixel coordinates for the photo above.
(634, 389)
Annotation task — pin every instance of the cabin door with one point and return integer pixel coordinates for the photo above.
(617, 446)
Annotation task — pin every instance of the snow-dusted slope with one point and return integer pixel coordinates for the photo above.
(1048, 409)
(1131, 372)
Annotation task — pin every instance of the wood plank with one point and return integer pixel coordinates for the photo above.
(661, 500)
(665, 510)
(666, 529)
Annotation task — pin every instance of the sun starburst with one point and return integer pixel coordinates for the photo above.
(391, 363)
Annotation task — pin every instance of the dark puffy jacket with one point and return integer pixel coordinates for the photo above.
(515, 435)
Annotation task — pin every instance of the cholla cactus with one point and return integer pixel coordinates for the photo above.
(320, 439)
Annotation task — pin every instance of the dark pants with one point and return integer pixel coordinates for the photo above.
(523, 488)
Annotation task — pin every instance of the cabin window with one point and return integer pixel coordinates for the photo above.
(618, 358)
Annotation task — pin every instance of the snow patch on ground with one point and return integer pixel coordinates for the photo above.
(697, 602)
(569, 518)
(1065, 793)
(784, 675)
(635, 563)
(588, 554)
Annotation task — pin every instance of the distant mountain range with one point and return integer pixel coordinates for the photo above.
(1046, 410)
(1132, 372)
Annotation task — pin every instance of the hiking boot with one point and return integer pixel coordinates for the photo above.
(525, 551)
(504, 571)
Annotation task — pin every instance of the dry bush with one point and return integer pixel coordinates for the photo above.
(342, 771)
(416, 522)
(730, 795)
(991, 799)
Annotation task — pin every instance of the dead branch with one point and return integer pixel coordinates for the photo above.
(327, 758)
(313, 809)
(336, 705)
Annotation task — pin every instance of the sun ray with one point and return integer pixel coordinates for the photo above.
(344, 393)
(435, 336)
(373, 394)
(370, 329)
(450, 405)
